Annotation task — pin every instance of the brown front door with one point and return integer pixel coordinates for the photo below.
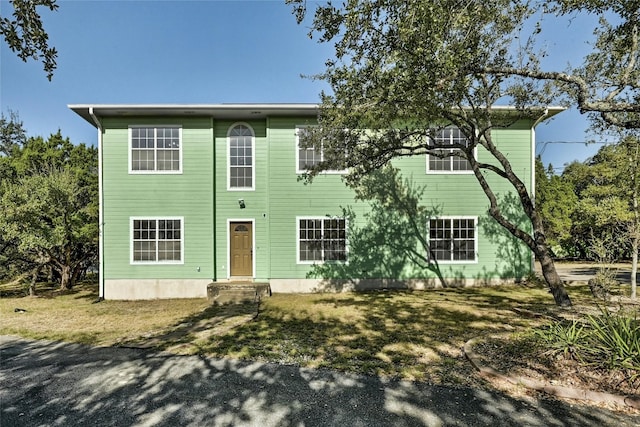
(241, 249)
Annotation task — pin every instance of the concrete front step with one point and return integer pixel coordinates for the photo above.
(237, 292)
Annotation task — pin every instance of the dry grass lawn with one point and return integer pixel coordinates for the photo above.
(75, 316)
(410, 335)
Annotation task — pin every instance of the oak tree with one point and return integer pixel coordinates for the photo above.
(25, 35)
(405, 69)
(49, 205)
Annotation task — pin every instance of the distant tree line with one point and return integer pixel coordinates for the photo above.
(48, 206)
(593, 205)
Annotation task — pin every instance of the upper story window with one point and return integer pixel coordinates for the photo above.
(307, 158)
(155, 149)
(453, 239)
(241, 173)
(451, 162)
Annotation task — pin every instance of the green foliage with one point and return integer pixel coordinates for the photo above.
(12, 133)
(46, 211)
(610, 340)
(403, 70)
(25, 34)
(614, 341)
(605, 186)
(49, 201)
(565, 338)
(555, 202)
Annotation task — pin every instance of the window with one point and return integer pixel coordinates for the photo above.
(241, 173)
(453, 163)
(156, 240)
(155, 149)
(322, 239)
(307, 158)
(453, 239)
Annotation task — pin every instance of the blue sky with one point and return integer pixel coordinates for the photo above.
(203, 52)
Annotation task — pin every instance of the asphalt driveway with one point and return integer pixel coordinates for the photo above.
(46, 383)
(582, 272)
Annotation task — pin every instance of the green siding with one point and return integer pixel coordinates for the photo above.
(227, 206)
(187, 195)
(201, 196)
(290, 198)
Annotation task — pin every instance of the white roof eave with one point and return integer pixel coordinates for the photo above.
(233, 111)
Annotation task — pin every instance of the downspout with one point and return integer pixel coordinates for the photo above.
(267, 214)
(533, 170)
(100, 209)
(214, 195)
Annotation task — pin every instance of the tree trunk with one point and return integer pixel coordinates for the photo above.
(78, 271)
(34, 280)
(556, 287)
(66, 282)
(634, 263)
(536, 242)
(636, 228)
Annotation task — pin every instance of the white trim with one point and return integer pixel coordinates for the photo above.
(253, 243)
(475, 238)
(100, 207)
(297, 148)
(155, 150)
(322, 218)
(253, 158)
(156, 218)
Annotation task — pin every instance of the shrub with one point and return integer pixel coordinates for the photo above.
(563, 337)
(610, 340)
(602, 284)
(615, 341)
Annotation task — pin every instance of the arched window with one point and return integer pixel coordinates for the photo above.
(241, 154)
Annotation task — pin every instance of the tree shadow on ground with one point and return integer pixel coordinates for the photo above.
(71, 384)
(184, 335)
(413, 335)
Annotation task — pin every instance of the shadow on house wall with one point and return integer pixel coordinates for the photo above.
(513, 259)
(388, 245)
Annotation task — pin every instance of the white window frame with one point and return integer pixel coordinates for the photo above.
(450, 171)
(475, 238)
(156, 218)
(155, 150)
(302, 171)
(322, 218)
(253, 158)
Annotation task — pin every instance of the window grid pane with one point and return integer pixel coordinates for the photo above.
(240, 157)
(310, 240)
(449, 136)
(155, 149)
(322, 239)
(142, 159)
(144, 236)
(308, 158)
(157, 240)
(311, 156)
(452, 239)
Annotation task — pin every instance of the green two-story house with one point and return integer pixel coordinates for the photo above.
(195, 194)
